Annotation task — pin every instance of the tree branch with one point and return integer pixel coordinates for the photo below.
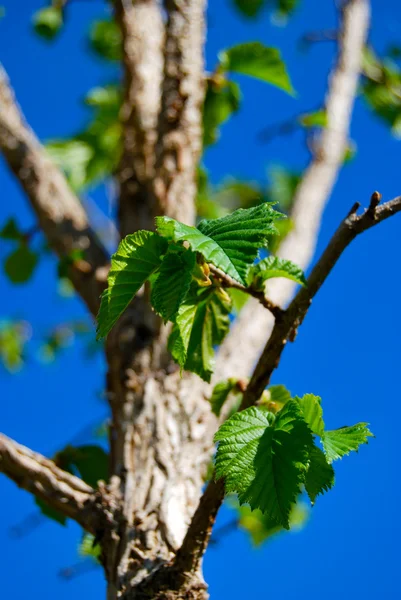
(228, 282)
(197, 537)
(60, 214)
(143, 33)
(180, 139)
(254, 324)
(60, 490)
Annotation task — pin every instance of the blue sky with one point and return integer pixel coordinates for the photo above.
(347, 351)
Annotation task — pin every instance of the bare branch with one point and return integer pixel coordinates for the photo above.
(143, 33)
(254, 324)
(60, 490)
(286, 328)
(60, 214)
(199, 531)
(180, 139)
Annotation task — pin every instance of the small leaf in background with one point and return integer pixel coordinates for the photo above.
(283, 227)
(67, 261)
(20, 264)
(350, 151)
(88, 548)
(137, 257)
(10, 231)
(172, 282)
(91, 462)
(92, 154)
(261, 528)
(271, 267)
(220, 393)
(106, 40)
(381, 87)
(50, 512)
(249, 8)
(252, 8)
(320, 475)
(312, 412)
(47, 22)
(73, 156)
(264, 458)
(282, 187)
(13, 338)
(339, 442)
(259, 61)
(314, 119)
(221, 101)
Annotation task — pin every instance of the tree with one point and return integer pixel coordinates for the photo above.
(148, 518)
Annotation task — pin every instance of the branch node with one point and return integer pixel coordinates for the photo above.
(374, 203)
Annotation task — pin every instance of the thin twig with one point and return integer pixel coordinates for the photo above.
(228, 282)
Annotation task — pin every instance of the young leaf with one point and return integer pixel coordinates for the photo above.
(106, 40)
(88, 548)
(90, 461)
(201, 323)
(221, 101)
(273, 266)
(256, 60)
(50, 512)
(264, 458)
(231, 243)
(20, 264)
(249, 8)
(312, 412)
(314, 119)
(220, 393)
(172, 283)
(320, 475)
(10, 231)
(48, 21)
(261, 528)
(339, 442)
(137, 257)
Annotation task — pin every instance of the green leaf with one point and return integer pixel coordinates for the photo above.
(339, 442)
(20, 264)
(201, 323)
(137, 257)
(286, 7)
(275, 397)
(48, 21)
(312, 412)
(73, 156)
(220, 393)
(221, 101)
(264, 458)
(249, 8)
(320, 475)
(91, 462)
(50, 512)
(261, 528)
(106, 40)
(231, 243)
(13, 338)
(274, 267)
(88, 548)
(10, 231)
(239, 299)
(172, 283)
(317, 118)
(259, 61)
(282, 188)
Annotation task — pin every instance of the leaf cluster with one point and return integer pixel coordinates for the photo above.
(269, 456)
(175, 261)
